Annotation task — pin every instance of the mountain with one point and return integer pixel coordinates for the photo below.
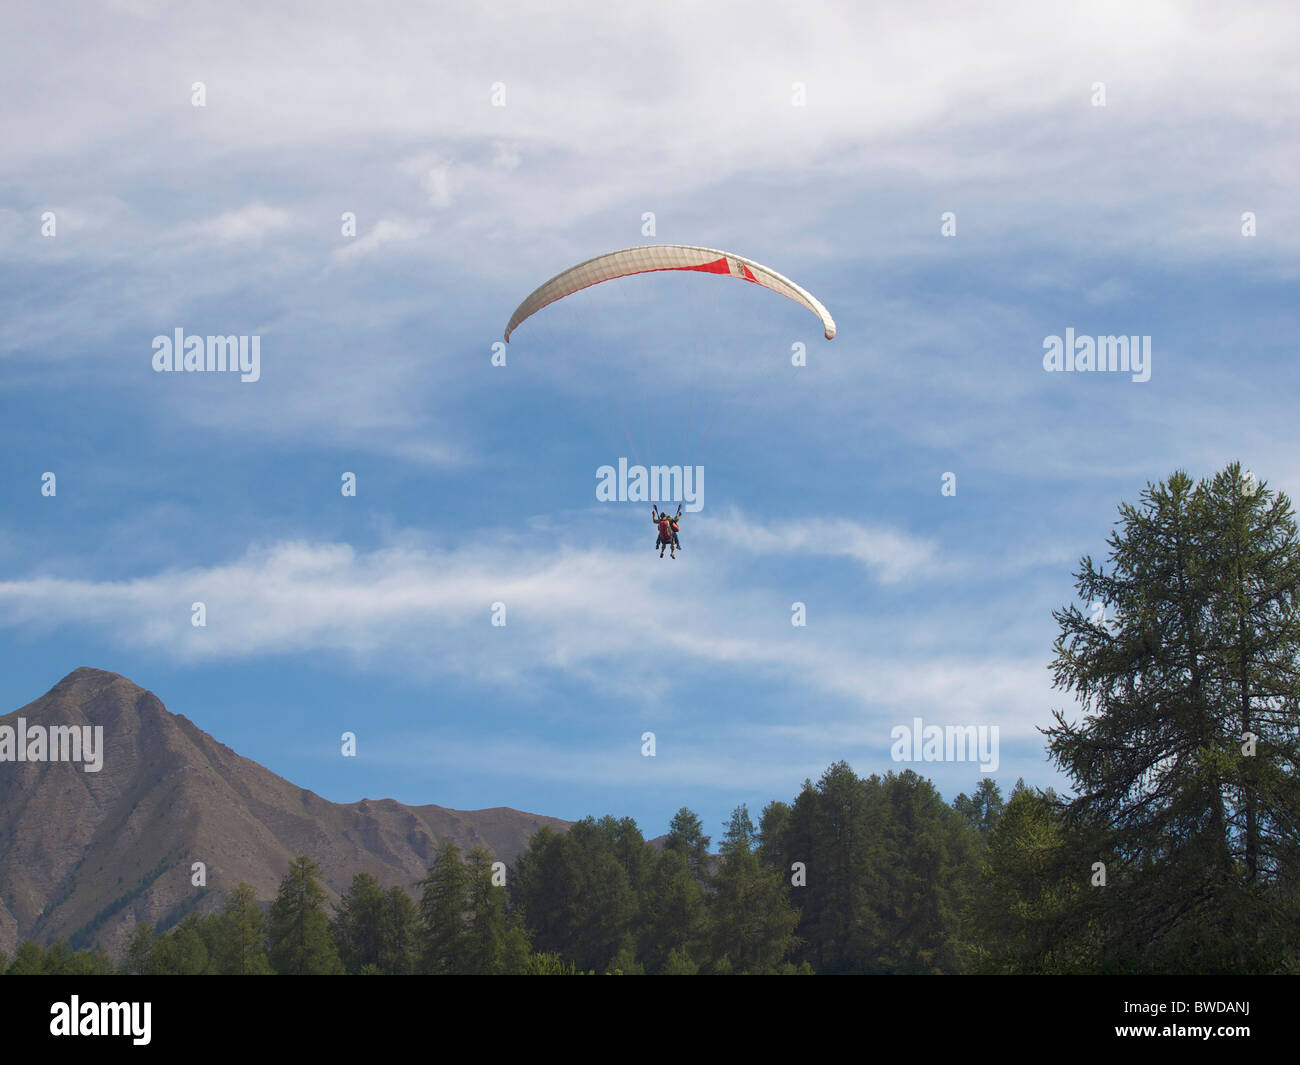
(85, 855)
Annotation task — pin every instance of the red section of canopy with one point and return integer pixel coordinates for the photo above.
(718, 266)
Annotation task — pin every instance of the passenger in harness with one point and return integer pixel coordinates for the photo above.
(668, 529)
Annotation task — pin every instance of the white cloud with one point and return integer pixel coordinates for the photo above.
(383, 234)
(886, 554)
(588, 613)
(248, 224)
(690, 97)
(685, 111)
(507, 156)
(436, 183)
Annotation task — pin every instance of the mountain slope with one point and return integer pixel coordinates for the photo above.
(83, 856)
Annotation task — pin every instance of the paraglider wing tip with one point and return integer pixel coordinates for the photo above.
(830, 333)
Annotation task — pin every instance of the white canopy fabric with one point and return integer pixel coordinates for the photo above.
(652, 257)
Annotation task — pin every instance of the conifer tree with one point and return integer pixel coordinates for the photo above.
(301, 942)
(139, 947)
(58, 955)
(397, 933)
(982, 809)
(188, 955)
(496, 940)
(1033, 910)
(444, 905)
(753, 922)
(29, 959)
(836, 831)
(773, 826)
(88, 963)
(357, 924)
(240, 949)
(673, 916)
(576, 891)
(686, 836)
(1188, 650)
(923, 886)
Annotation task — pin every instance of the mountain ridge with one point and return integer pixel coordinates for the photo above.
(85, 855)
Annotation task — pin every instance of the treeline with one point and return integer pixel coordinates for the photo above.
(873, 875)
(779, 898)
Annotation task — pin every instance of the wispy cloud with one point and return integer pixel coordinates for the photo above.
(588, 613)
(251, 223)
(888, 555)
(385, 232)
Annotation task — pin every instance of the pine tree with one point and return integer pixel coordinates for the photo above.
(753, 922)
(1034, 913)
(923, 886)
(889, 874)
(29, 959)
(686, 836)
(240, 949)
(981, 810)
(139, 948)
(674, 922)
(496, 940)
(96, 963)
(1256, 607)
(444, 904)
(301, 942)
(836, 830)
(357, 924)
(398, 933)
(576, 890)
(773, 827)
(58, 955)
(542, 887)
(164, 958)
(1196, 822)
(189, 951)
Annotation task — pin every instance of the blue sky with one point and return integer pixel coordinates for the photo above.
(476, 484)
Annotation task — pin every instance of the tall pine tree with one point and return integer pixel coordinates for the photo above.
(301, 942)
(444, 904)
(240, 949)
(1188, 650)
(753, 922)
(357, 925)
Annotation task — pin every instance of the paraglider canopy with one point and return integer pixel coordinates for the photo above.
(651, 257)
